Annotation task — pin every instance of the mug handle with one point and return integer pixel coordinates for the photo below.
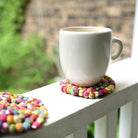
(119, 48)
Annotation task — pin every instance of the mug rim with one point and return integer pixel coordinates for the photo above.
(78, 29)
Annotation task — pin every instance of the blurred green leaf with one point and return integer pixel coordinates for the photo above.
(23, 64)
(90, 130)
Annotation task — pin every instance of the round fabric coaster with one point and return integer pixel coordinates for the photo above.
(19, 113)
(103, 88)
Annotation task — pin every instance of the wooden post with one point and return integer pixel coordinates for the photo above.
(129, 120)
(106, 127)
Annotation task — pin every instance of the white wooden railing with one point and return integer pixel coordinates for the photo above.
(70, 115)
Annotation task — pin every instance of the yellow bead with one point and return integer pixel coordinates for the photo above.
(15, 108)
(21, 111)
(111, 87)
(36, 108)
(46, 113)
(108, 89)
(81, 91)
(40, 120)
(91, 95)
(68, 90)
(28, 112)
(80, 88)
(13, 100)
(69, 86)
(17, 119)
(15, 95)
(19, 127)
(12, 104)
(1, 93)
(35, 112)
(7, 104)
(100, 84)
(22, 117)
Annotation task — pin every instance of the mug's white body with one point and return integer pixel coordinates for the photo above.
(85, 55)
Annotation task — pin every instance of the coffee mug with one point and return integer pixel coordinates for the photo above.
(85, 53)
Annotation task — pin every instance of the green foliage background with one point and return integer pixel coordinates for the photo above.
(23, 64)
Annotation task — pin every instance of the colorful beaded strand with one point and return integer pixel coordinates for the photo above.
(104, 87)
(19, 113)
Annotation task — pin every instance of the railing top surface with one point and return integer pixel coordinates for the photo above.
(67, 113)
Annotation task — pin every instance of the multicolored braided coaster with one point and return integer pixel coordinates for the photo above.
(19, 113)
(103, 88)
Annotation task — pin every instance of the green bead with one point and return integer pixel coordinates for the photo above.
(12, 129)
(106, 83)
(96, 94)
(110, 80)
(72, 91)
(100, 84)
(21, 116)
(94, 87)
(106, 77)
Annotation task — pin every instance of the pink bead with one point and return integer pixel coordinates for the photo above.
(112, 82)
(65, 90)
(30, 109)
(2, 106)
(22, 108)
(3, 117)
(34, 99)
(76, 88)
(35, 125)
(16, 106)
(93, 90)
(36, 105)
(5, 93)
(33, 117)
(5, 127)
(9, 112)
(23, 105)
(86, 94)
(26, 115)
(102, 93)
(37, 101)
(62, 88)
(19, 100)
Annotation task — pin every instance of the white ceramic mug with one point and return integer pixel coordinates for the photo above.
(85, 53)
